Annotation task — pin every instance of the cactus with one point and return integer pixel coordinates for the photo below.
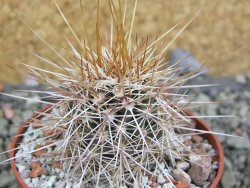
(118, 109)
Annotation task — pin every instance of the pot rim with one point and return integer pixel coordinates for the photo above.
(212, 139)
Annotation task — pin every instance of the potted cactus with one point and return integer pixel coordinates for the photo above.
(117, 119)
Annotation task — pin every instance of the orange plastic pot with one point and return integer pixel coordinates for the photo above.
(212, 139)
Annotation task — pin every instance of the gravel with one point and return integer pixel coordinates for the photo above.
(6, 178)
(9, 123)
(239, 143)
(234, 98)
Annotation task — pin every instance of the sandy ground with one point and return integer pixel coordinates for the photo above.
(218, 37)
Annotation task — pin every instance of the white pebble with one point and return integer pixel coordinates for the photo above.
(144, 180)
(30, 128)
(20, 168)
(157, 171)
(211, 152)
(19, 153)
(60, 184)
(206, 184)
(179, 174)
(35, 181)
(27, 180)
(62, 174)
(76, 184)
(52, 180)
(207, 146)
(27, 138)
(57, 170)
(182, 165)
(161, 179)
(23, 163)
(30, 184)
(193, 186)
(161, 166)
(25, 174)
(68, 185)
(187, 138)
(48, 168)
(27, 147)
(45, 185)
(215, 167)
(168, 185)
(193, 157)
(43, 177)
(215, 163)
(27, 156)
(165, 172)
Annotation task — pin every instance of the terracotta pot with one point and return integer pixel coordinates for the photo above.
(212, 139)
(14, 143)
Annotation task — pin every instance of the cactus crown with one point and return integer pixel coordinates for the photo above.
(119, 111)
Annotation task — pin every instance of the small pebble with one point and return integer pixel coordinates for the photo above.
(206, 184)
(193, 158)
(161, 179)
(8, 112)
(27, 180)
(161, 166)
(166, 172)
(68, 185)
(144, 180)
(52, 180)
(199, 171)
(25, 174)
(168, 185)
(20, 168)
(197, 138)
(182, 165)
(181, 175)
(35, 181)
(211, 152)
(207, 146)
